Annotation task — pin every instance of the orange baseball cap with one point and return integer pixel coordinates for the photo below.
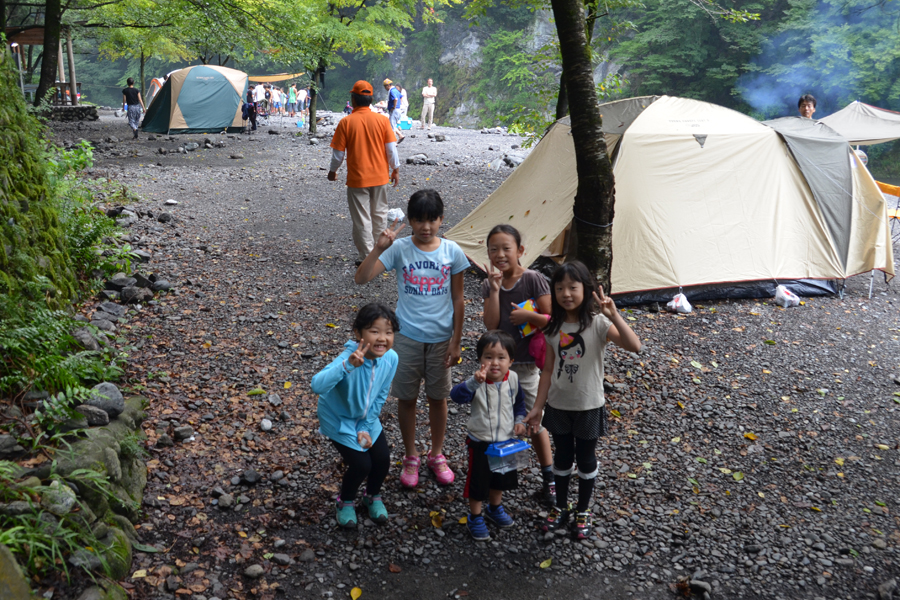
(363, 88)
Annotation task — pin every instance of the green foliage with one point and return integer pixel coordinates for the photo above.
(839, 51)
(661, 59)
(132, 446)
(38, 354)
(41, 541)
(58, 409)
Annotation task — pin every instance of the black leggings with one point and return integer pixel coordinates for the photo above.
(569, 450)
(372, 464)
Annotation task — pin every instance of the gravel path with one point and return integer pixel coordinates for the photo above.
(754, 449)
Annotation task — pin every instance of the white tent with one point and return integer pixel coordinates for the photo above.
(865, 124)
(705, 197)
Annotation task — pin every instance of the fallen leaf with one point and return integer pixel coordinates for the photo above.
(355, 593)
(675, 440)
(546, 563)
(696, 364)
(256, 392)
(882, 446)
(144, 548)
(139, 574)
(680, 404)
(395, 568)
(751, 436)
(436, 519)
(738, 476)
(724, 470)
(839, 462)
(287, 385)
(333, 326)
(701, 460)
(463, 520)
(770, 342)
(615, 413)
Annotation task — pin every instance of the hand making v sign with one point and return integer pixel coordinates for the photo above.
(388, 236)
(359, 355)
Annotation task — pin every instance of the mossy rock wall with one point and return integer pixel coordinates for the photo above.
(33, 257)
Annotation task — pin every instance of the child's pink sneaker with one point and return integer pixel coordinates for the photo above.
(440, 468)
(409, 477)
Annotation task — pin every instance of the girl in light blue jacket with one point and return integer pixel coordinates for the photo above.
(352, 390)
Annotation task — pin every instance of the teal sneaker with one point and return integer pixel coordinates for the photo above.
(346, 514)
(377, 511)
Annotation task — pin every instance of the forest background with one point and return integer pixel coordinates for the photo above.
(499, 64)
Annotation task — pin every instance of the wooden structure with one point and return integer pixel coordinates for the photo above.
(67, 92)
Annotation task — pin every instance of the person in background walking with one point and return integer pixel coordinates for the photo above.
(393, 108)
(371, 153)
(131, 97)
(429, 93)
(292, 99)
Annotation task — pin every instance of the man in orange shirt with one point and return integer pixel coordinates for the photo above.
(366, 140)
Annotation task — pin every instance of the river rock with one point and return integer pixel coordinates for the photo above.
(58, 499)
(114, 309)
(83, 336)
(13, 585)
(96, 417)
(183, 433)
(254, 571)
(164, 217)
(107, 397)
(120, 282)
(161, 285)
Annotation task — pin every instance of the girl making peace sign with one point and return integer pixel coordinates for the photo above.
(572, 389)
(352, 390)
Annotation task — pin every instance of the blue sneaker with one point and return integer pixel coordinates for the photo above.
(478, 528)
(498, 516)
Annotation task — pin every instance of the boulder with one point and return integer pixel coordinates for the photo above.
(13, 585)
(116, 549)
(96, 417)
(107, 397)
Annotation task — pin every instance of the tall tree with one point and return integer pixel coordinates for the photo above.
(52, 28)
(595, 195)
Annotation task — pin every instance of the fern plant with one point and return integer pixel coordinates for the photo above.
(38, 354)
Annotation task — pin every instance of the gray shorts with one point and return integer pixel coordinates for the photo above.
(418, 361)
(529, 378)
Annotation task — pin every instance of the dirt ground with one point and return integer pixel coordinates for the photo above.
(753, 448)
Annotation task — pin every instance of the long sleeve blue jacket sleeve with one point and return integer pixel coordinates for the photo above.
(325, 380)
(519, 406)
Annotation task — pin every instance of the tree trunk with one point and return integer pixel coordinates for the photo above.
(143, 62)
(562, 99)
(595, 197)
(2, 15)
(318, 79)
(52, 27)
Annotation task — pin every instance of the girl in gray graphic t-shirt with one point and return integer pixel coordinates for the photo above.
(571, 386)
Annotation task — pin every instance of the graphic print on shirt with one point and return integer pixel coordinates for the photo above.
(570, 350)
(426, 278)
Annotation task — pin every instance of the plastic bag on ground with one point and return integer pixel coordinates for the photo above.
(785, 298)
(679, 304)
(395, 214)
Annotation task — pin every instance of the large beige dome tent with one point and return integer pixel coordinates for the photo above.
(707, 199)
